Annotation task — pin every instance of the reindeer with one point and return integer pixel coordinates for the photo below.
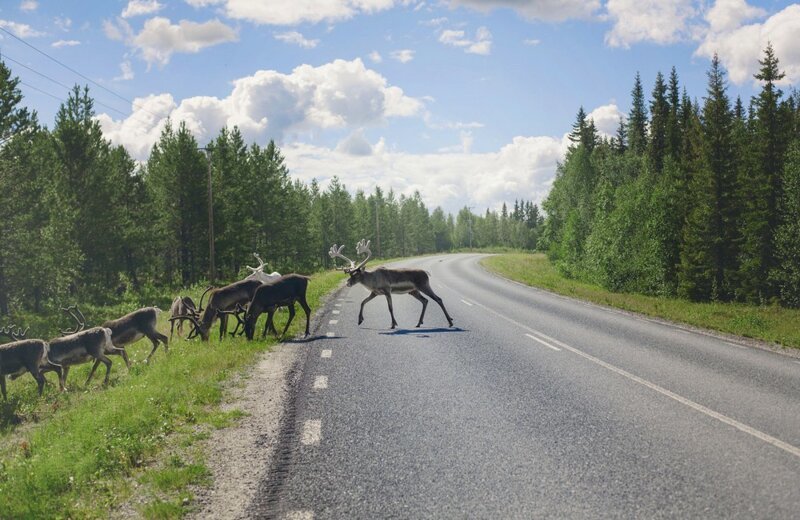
(181, 306)
(27, 355)
(80, 347)
(283, 292)
(134, 326)
(221, 303)
(257, 273)
(387, 281)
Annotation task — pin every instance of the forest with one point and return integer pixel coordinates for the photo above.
(694, 198)
(81, 220)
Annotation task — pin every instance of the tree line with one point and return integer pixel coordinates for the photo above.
(81, 219)
(699, 199)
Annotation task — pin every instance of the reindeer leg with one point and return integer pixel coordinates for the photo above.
(107, 362)
(361, 312)
(424, 301)
(289, 322)
(124, 353)
(62, 380)
(307, 310)
(91, 372)
(426, 289)
(155, 338)
(223, 326)
(391, 309)
(172, 327)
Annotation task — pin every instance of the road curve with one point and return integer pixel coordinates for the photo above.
(534, 405)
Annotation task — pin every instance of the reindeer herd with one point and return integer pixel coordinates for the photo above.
(246, 300)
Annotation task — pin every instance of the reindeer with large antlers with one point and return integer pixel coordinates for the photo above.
(387, 281)
(257, 273)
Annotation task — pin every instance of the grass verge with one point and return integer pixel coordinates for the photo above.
(83, 453)
(768, 323)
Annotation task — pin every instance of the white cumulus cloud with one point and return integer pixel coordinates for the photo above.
(65, 43)
(22, 30)
(480, 44)
(375, 57)
(295, 38)
(294, 12)
(656, 21)
(548, 10)
(270, 104)
(403, 55)
(159, 39)
(141, 7)
(28, 5)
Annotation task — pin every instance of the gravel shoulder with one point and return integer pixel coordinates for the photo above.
(240, 457)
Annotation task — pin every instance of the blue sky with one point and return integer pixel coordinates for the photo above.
(467, 101)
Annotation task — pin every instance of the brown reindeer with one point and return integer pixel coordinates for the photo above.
(220, 302)
(388, 281)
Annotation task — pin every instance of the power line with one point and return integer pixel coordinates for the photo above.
(78, 73)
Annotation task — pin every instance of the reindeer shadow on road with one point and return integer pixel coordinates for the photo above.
(422, 332)
(311, 338)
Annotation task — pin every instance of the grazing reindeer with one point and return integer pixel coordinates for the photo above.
(13, 332)
(81, 347)
(181, 306)
(134, 326)
(257, 273)
(221, 300)
(387, 281)
(283, 292)
(27, 355)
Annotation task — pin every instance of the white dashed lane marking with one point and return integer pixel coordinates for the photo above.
(546, 344)
(335, 311)
(465, 302)
(312, 432)
(299, 515)
(333, 322)
(330, 334)
(326, 353)
(321, 383)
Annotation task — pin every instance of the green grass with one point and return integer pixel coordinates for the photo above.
(76, 454)
(768, 323)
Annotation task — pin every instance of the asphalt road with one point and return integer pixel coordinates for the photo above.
(533, 406)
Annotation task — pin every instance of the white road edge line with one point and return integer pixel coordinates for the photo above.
(326, 353)
(320, 382)
(333, 322)
(785, 446)
(546, 344)
(312, 432)
(466, 302)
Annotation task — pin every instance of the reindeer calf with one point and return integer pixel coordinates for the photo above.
(134, 326)
(283, 292)
(80, 347)
(181, 306)
(27, 355)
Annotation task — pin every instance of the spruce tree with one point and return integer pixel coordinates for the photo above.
(787, 238)
(763, 186)
(660, 111)
(637, 120)
(717, 122)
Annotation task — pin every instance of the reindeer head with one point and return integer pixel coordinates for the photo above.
(356, 272)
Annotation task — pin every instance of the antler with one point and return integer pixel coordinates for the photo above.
(337, 253)
(261, 264)
(13, 332)
(78, 316)
(362, 248)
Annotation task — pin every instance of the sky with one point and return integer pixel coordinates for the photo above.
(467, 101)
